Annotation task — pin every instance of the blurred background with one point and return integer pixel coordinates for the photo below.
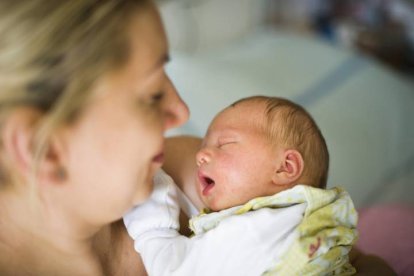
(349, 63)
(383, 29)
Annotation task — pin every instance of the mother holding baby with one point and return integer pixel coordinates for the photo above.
(84, 104)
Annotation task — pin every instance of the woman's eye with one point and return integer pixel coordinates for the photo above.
(157, 97)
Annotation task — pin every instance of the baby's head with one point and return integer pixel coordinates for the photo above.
(259, 146)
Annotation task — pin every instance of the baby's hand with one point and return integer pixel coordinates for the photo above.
(160, 211)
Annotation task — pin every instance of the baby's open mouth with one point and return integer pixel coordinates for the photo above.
(207, 184)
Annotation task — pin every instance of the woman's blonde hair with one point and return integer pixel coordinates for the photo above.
(52, 52)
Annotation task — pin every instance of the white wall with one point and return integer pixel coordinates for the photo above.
(197, 25)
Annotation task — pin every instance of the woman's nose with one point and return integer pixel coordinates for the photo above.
(202, 157)
(176, 111)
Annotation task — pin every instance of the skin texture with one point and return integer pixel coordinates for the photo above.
(184, 174)
(226, 176)
(109, 156)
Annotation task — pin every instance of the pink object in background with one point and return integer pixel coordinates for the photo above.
(388, 231)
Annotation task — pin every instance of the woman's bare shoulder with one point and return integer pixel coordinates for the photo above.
(122, 258)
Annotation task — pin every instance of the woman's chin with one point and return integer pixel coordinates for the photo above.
(144, 192)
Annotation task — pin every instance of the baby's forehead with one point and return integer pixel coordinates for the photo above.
(242, 112)
(240, 117)
(247, 108)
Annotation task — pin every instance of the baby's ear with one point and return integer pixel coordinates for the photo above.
(289, 168)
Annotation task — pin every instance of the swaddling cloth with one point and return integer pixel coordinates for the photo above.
(299, 231)
(321, 241)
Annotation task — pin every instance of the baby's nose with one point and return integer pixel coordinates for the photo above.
(202, 157)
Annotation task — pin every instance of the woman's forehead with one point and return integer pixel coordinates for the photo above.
(148, 52)
(148, 40)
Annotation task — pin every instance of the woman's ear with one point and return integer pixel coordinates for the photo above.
(289, 168)
(18, 138)
(52, 166)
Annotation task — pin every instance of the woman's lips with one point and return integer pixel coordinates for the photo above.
(207, 184)
(159, 158)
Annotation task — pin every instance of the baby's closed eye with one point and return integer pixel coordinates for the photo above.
(226, 142)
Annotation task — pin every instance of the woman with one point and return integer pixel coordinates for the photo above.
(84, 106)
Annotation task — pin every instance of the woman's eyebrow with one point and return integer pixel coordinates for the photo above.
(165, 58)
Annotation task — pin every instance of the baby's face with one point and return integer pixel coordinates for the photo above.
(236, 162)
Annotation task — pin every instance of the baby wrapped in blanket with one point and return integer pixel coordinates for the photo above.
(262, 169)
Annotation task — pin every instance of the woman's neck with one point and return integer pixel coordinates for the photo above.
(35, 240)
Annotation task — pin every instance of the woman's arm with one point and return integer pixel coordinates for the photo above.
(180, 164)
(369, 264)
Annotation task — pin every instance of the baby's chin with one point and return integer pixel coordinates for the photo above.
(218, 205)
(215, 206)
(209, 205)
